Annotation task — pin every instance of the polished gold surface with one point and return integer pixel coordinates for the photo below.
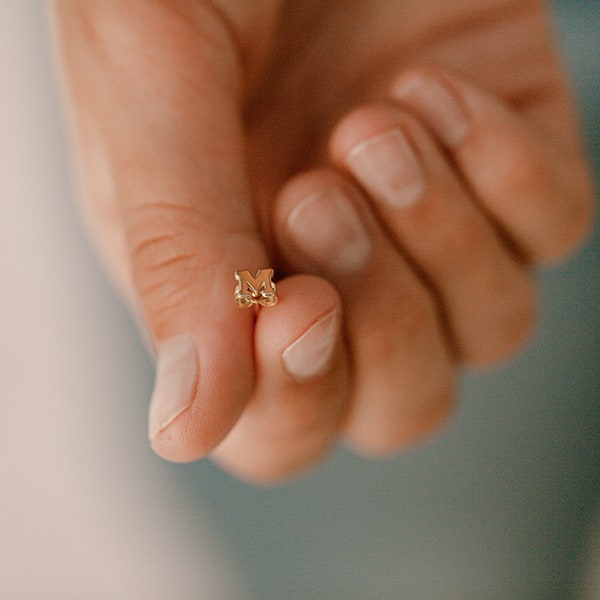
(256, 289)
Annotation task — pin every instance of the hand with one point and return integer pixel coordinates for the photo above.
(192, 116)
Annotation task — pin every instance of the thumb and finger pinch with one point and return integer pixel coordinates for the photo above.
(302, 388)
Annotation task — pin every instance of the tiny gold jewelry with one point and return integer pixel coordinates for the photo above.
(256, 289)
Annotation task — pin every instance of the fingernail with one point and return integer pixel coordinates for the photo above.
(327, 228)
(176, 382)
(311, 353)
(437, 105)
(388, 169)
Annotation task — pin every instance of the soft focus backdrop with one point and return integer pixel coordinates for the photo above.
(500, 507)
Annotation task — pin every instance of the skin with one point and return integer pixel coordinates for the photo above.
(201, 126)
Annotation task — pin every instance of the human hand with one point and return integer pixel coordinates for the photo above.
(191, 118)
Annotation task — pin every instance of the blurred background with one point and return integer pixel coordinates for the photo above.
(504, 505)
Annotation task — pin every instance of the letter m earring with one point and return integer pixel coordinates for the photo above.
(255, 289)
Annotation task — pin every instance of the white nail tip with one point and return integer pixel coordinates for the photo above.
(311, 353)
(388, 168)
(176, 382)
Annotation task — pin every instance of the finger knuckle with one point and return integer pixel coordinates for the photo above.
(576, 219)
(519, 165)
(563, 201)
(417, 314)
(522, 316)
(463, 237)
(167, 254)
(161, 242)
(410, 323)
(404, 430)
(509, 324)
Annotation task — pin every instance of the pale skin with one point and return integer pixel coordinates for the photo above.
(226, 135)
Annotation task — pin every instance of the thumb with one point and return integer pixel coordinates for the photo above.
(162, 92)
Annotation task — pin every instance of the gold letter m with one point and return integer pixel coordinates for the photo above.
(255, 289)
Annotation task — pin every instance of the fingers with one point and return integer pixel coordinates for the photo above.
(302, 385)
(460, 198)
(486, 294)
(536, 187)
(168, 117)
(413, 234)
(402, 373)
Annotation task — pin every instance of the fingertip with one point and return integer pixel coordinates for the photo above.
(199, 428)
(301, 332)
(203, 382)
